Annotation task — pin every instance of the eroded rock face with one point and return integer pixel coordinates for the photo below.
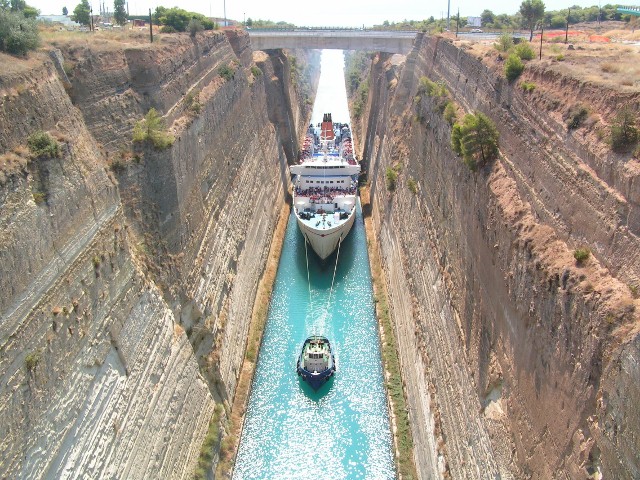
(126, 293)
(526, 356)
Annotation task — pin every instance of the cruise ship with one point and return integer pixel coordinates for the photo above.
(325, 186)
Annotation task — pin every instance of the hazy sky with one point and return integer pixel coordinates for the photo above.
(349, 13)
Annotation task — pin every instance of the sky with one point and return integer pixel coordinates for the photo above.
(350, 13)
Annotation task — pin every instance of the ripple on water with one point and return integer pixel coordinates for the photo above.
(342, 431)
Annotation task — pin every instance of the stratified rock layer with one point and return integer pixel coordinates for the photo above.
(517, 361)
(127, 274)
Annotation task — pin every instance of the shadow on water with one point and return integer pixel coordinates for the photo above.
(316, 395)
(321, 271)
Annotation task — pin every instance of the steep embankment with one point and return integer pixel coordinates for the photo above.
(127, 274)
(517, 361)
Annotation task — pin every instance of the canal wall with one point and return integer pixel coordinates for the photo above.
(517, 361)
(128, 274)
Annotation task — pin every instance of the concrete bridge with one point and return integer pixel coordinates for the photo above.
(333, 39)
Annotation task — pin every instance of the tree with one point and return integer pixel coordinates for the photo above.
(119, 12)
(532, 12)
(476, 140)
(194, 27)
(18, 34)
(487, 17)
(249, 22)
(65, 12)
(152, 130)
(82, 13)
(624, 133)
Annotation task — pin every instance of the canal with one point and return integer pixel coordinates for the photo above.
(342, 431)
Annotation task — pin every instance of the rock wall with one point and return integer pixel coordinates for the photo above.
(516, 359)
(127, 274)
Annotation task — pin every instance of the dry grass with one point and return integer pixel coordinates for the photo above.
(230, 443)
(614, 65)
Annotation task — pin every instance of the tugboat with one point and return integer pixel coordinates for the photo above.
(316, 363)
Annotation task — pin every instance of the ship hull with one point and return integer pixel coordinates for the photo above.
(325, 241)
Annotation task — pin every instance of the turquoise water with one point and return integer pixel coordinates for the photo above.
(341, 431)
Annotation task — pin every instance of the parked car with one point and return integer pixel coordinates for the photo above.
(476, 30)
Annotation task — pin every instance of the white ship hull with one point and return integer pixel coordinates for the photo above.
(324, 241)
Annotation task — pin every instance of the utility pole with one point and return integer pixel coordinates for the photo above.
(91, 15)
(566, 33)
(541, 35)
(448, 18)
(224, 6)
(457, 22)
(150, 26)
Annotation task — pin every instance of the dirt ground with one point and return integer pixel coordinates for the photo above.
(599, 54)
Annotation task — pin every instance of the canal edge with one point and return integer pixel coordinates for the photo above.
(393, 379)
(236, 417)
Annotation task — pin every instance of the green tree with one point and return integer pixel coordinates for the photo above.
(18, 34)
(65, 12)
(119, 12)
(624, 132)
(487, 17)
(532, 12)
(82, 13)
(476, 140)
(152, 130)
(249, 22)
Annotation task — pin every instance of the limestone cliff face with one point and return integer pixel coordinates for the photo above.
(127, 275)
(517, 361)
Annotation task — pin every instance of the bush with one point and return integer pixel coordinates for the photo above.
(42, 145)
(255, 71)
(151, 130)
(432, 89)
(226, 72)
(392, 178)
(524, 51)
(528, 86)
(450, 114)
(505, 43)
(192, 101)
(513, 67)
(18, 34)
(168, 29)
(624, 132)
(581, 254)
(32, 360)
(412, 185)
(576, 116)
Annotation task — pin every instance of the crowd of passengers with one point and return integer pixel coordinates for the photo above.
(324, 191)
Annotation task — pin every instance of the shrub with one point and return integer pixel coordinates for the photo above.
(32, 360)
(524, 51)
(528, 86)
(476, 139)
(168, 29)
(560, 58)
(194, 27)
(226, 72)
(624, 132)
(513, 67)
(255, 71)
(412, 185)
(39, 197)
(392, 178)
(18, 34)
(118, 166)
(576, 116)
(609, 68)
(432, 89)
(581, 254)
(505, 43)
(151, 130)
(192, 102)
(450, 114)
(42, 145)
